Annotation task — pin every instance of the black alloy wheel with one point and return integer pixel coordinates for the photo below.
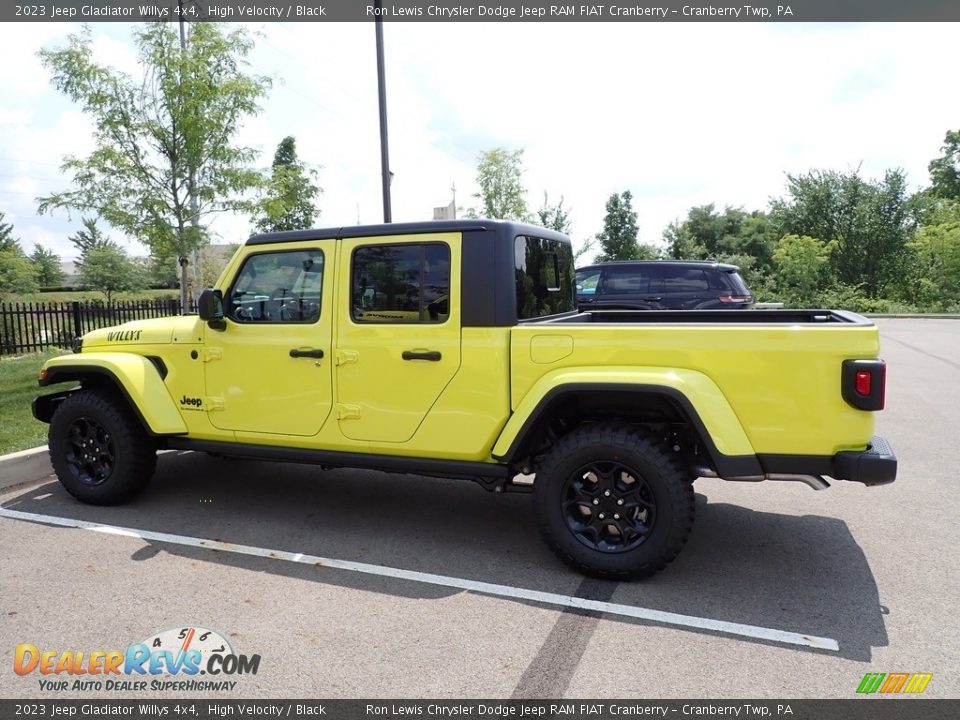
(90, 454)
(609, 506)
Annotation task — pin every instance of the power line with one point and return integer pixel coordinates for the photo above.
(30, 162)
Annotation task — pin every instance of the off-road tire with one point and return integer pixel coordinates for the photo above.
(665, 492)
(99, 450)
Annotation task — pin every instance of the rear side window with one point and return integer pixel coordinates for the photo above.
(684, 280)
(404, 283)
(544, 277)
(720, 281)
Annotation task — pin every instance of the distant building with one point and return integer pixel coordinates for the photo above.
(218, 254)
(447, 212)
(71, 278)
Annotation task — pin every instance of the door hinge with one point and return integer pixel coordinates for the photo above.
(213, 403)
(348, 412)
(212, 353)
(346, 356)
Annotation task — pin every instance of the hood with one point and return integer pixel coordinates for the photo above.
(158, 331)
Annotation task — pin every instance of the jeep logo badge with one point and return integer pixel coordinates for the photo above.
(193, 402)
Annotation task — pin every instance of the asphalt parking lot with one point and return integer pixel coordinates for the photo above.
(874, 569)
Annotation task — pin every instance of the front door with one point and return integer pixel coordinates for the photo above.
(269, 370)
(398, 341)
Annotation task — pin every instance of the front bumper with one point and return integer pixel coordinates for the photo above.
(877, 465)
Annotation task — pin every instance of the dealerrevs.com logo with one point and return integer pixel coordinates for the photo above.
(170, 660)
(894, 683)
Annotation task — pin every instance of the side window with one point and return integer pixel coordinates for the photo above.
(626, 281)
(686, 280)
(401, 283)
(587, 282)
(277, 287)
(718, 281)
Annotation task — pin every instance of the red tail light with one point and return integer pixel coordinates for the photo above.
(735, 298)
(863, 383)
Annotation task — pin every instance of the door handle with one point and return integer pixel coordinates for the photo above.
(431, 355)
(306, 352)
(653, 298)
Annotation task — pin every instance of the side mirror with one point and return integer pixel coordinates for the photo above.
(210, 308)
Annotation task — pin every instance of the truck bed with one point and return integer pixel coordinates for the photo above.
(778, 372)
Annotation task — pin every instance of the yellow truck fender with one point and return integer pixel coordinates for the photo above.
(134, 376)
(693, 392)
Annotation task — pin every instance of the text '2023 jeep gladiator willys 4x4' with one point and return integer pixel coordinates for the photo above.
(455, 349)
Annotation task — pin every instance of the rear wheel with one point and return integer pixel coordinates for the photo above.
(612, 501)
(99, 450)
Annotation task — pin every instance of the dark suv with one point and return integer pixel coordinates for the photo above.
(662, 285)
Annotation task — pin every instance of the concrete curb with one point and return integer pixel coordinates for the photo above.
(24, 467)
(919, 316)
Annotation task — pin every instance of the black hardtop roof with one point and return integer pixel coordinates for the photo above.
(411, 228)
(725, 267)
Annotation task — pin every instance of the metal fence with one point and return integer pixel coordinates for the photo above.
(31, 327)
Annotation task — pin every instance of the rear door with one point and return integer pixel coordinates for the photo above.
(629, 287)
(398, 336)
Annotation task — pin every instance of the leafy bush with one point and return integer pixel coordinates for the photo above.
(852, 297)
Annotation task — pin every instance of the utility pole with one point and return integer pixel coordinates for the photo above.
(191, 191)
(382, 94)
(453, 189)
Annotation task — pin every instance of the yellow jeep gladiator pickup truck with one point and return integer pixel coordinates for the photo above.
(455, 349)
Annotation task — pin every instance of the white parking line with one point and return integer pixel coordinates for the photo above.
(547, 598)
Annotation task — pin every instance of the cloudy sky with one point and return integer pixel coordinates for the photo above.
(680, 114)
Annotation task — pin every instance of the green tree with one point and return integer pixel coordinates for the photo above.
(7, 240)
(800, 262)
(681, 243)
(756, 237)
(555, 217)
(706, 233)
(868, 222)
(618, 239)
(945, 170)
(89, 237)
(109, 269)
(17, 273)
(288, 203)
(161, 271)
(933, 279)
(46, 264)
(500, 177)
(735, 236)
(162, 136)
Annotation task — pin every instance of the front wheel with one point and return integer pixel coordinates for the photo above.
(98, 448)
(612, 502)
